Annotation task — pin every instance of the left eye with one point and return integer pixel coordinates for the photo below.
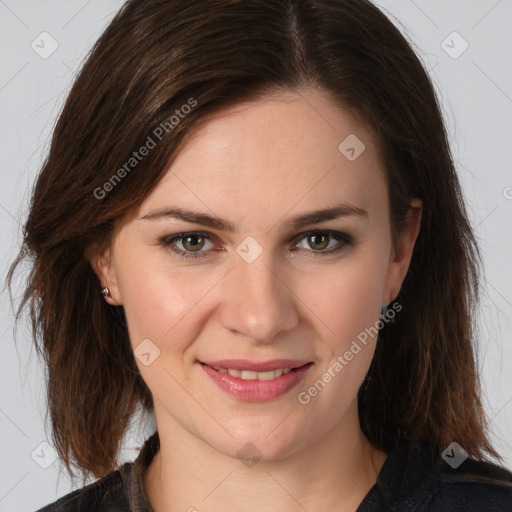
(320, 239)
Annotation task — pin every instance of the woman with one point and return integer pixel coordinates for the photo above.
(249, 222)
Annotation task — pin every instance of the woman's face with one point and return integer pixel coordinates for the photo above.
(276, 279)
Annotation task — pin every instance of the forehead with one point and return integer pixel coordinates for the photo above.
(274, 153)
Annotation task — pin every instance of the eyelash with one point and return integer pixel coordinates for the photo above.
(169, 240)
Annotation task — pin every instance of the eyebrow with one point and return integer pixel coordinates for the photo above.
(297, 222)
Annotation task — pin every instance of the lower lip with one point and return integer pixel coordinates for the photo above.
(256, 390)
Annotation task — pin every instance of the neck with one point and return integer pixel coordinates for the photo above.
(333, 472)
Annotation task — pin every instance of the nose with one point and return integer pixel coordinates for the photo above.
(257, 302)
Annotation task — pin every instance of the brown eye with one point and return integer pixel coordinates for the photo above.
(193, 243)
(323, 243)
(318, 241)
(188, 245)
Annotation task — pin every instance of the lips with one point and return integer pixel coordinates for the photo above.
(256, 381)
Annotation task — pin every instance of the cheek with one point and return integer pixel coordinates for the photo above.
(347, 303)
(345, 298)
(171, 305)
(161, 302)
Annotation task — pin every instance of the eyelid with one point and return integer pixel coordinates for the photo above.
(344, 238)
(332, 232)
(169, 240)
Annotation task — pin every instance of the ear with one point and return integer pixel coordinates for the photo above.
(102, 264)
(401, 256)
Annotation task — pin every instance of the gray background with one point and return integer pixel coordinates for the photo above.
(475, 89)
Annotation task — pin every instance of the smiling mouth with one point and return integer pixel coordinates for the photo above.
(244, 383)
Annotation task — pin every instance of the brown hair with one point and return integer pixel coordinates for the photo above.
(157, 56)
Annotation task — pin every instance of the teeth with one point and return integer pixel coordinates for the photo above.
(252, 375)
(271, 374)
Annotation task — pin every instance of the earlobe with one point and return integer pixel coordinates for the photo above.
(101, 262)
(401, 259)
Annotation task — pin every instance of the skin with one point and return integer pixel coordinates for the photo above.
(257, 165)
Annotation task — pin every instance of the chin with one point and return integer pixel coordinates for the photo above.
(259, 442)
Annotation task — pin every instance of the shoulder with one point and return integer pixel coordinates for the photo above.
(108, 494)
(416, 477)
(473, 486)
(119, 491)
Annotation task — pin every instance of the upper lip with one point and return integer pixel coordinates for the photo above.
(256, 366)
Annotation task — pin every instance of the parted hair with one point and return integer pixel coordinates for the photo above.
(156, 56)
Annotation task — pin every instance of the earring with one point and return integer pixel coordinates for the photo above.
(106, 293)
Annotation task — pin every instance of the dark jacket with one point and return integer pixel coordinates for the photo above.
(413, 478)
